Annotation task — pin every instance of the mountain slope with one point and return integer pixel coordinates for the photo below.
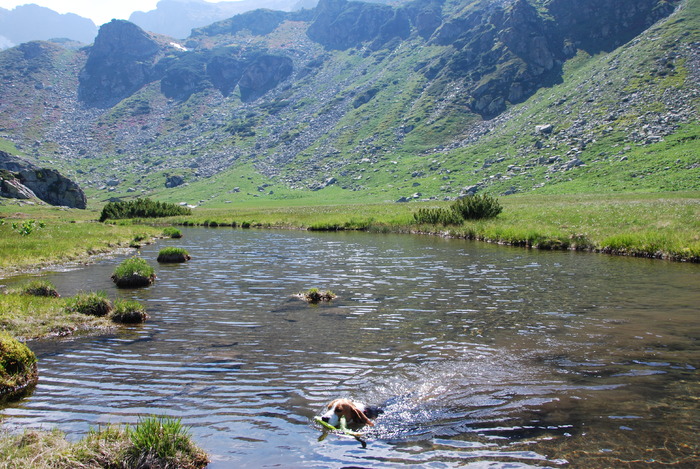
(426, 100)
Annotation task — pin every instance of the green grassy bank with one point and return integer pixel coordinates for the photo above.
(659, 224)
(38, 236)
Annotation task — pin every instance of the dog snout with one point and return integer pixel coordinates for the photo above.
(325, 419)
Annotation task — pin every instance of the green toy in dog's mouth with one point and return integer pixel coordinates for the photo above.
(343, 428)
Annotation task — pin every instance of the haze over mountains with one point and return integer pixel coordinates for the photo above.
(413, 100)
(31, 23)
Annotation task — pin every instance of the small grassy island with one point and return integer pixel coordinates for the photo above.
(173, 255)
(134, 273)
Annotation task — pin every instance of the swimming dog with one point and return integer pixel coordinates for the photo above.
(356, 413)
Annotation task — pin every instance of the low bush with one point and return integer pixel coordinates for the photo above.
(93, 304)
(128, 312)
(40, 288)
(134, 272)
(472, 207)
(141, 208)
(477, 207)
(437, 216)
(18, 369)
(173, 255)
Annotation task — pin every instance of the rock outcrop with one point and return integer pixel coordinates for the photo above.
(22, 180)
(120, 62)
(340, 24)
(533, 44)
(263, 74)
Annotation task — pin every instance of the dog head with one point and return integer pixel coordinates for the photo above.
(354, 413)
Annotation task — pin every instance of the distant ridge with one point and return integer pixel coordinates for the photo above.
(35, 23)
(177, 18)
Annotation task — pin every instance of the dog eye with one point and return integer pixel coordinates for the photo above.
(337, 411)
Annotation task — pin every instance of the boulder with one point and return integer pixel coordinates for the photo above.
(174, 181)
(45, 184)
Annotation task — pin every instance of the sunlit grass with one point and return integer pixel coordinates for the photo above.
(654, 224)
(32, 317)
(68, 235)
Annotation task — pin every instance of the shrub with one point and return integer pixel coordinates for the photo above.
(128, 312)
(173, 255)
(141, 208)
(437, 216)
(473, 207)
(172, 232)
(163, 442)
(93, 304)
(134, 272)
(40, 288)
(477, 207)
(18, 370)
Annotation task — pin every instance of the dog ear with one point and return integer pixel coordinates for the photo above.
(360, 416)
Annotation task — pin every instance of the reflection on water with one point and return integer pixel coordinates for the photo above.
(481, 355)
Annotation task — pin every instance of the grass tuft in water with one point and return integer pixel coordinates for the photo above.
(172, 232)
(93, 304)
(173, 255)
(162, 442)
(134, 272)
(128, 312)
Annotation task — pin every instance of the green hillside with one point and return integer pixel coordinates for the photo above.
(428, 114)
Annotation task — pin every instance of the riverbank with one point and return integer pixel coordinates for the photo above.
(653, 225)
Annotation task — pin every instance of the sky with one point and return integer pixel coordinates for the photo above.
(99, 11)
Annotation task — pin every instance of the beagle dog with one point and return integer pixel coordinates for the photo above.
(356, 413)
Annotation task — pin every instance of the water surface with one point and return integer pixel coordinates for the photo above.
(482, 356)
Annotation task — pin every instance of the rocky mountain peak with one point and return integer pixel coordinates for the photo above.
(120, 62)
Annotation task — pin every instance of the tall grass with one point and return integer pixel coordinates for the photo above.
(154, 443)
(161, 441)
(141, 208)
